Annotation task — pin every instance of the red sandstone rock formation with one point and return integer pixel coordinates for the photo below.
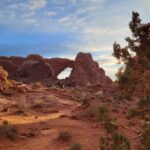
(35, 68)
(59, 64)
(87, 72)
(11, 64)
(35, 57)
(34, 71)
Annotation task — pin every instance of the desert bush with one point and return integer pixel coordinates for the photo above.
(104, 143)
(64, 136)
(103, 113)
(75, 146)
(117, 141)
(105, 118)
(120, 142)
(132, 113)
(8, 131)
(145, 138)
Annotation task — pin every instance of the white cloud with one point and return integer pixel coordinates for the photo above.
(50, 13)
(30, 21)
(30, 4)
(29, 14)
(64, 19)
(36, 4)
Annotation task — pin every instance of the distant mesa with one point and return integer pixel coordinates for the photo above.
(33, 68)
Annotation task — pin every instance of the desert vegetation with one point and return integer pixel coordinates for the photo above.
(8, 131)
(133, 76)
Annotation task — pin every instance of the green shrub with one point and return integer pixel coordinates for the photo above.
(120, 142)
(104, 143)
(8, 131)
(117, 141)
(103, 113)
(64, 136)
(75, 146)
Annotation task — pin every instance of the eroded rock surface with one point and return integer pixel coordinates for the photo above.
(87, 72)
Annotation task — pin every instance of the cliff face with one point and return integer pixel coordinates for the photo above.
(85, 71)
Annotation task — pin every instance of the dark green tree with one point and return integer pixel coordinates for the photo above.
(136, 55)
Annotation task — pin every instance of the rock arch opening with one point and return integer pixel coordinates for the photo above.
(65, 73)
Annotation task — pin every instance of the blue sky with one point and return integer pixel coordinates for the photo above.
(62, 28)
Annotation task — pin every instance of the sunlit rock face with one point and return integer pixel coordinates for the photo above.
(3, 78)
(87, 72)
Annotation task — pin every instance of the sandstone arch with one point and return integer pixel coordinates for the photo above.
(60, 64)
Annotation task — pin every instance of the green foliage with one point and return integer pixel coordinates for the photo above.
(64, 136)
(76, 146)
(117, 141)
(120, 142)
(103, 113)
(125, 75)
(105, 143)
(104, 117)
(135, 56)
(8, 131)
(145, 138)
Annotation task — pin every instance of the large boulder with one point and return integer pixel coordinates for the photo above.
(86, 71)
(34, 71)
